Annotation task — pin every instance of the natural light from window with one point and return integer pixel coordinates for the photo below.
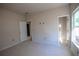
(75, 28)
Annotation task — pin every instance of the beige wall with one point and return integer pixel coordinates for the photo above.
(47, 32)
(9, 28)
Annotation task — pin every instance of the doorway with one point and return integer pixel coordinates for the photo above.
(63, 31)
(29, 30)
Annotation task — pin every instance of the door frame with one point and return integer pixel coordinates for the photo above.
(58, 25)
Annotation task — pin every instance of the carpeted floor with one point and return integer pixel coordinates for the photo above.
(29, 48)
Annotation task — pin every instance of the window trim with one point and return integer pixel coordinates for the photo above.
(72, 27)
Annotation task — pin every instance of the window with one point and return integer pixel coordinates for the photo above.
(76, 19)
(75, 27)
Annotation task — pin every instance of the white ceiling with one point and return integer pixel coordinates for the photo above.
(31, 7)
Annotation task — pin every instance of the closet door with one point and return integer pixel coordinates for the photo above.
(23, 31)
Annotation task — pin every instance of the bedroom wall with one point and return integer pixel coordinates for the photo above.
(9, 28)
(44, 25)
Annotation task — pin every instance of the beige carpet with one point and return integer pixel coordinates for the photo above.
(29, 48)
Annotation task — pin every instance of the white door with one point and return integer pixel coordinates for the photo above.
(23, 31)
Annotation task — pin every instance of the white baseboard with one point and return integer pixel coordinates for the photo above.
(8, 46)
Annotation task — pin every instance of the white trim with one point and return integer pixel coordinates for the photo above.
(77, 8)
(6, 47)
(63, 16)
